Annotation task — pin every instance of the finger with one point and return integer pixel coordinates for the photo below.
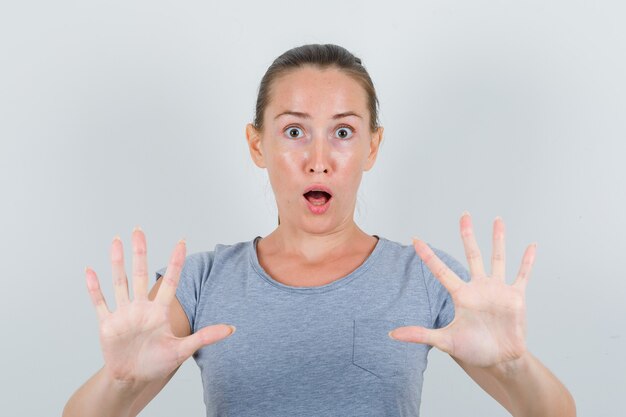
(417, 334)
(205, 336)
(440, 270)
(95, 293)
(527, 263)
(167, 290)
(140, 265)
(472, 253)
(120, 282)
(498, 267)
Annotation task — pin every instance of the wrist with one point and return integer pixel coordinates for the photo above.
(121, 387)
(512, 369)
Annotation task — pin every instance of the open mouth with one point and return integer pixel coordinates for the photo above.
(317, 198)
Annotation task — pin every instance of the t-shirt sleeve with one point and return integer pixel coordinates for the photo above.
(193, 277)
(442, 307)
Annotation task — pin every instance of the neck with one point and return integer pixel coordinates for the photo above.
(314, 248)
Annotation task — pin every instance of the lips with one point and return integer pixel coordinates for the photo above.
(318, 194)
(318, 198)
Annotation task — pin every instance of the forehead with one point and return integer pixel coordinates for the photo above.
(318, 92)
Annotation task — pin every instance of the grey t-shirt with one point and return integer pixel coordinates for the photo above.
(313, 351)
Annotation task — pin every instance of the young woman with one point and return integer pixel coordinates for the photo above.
(330, 321)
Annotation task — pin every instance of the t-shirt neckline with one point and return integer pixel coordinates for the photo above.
(340, 282)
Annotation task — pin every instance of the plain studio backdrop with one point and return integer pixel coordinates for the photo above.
(121, 113)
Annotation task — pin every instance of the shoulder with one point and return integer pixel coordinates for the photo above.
(229, 250)
(404, 253)
(222, 253)
(199, 264)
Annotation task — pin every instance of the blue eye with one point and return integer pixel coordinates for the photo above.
(291, 130)
(343, 129)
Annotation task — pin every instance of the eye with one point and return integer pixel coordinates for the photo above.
(344, 132)
(293, 130)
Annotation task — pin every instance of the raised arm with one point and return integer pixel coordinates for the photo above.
(143, 342)
(487, 336)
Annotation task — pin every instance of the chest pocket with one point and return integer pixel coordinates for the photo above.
(376, 352)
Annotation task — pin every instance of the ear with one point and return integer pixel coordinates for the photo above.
(253, 137)
(377, 138)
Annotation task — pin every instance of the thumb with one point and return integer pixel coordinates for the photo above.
(205, 336)
(418, 334)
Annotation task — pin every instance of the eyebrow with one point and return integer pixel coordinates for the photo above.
(308, 116)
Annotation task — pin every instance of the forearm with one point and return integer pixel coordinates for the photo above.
(532, 390)
(101, 396)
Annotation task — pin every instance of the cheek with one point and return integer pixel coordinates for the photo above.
(282, 168)
(348, 158)
(285, 152)
(289, 159)
(348, 171)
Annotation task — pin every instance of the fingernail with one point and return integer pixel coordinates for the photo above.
(136, 228)
(86, 268)
(183, 241)
(498, 217)
(390, 331)
(117, 237)
(465, 212)
(233, 328)
(414, 239)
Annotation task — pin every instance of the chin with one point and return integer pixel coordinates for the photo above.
(314, 226)
(323, 225)
(318, 229)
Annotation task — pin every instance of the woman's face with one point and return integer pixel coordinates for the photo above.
(316, 134)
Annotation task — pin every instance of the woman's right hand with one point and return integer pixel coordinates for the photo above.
(136, 339)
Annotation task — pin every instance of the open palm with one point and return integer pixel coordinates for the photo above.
(137, 341)
(489, 326)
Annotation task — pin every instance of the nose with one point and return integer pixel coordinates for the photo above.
(319, 157)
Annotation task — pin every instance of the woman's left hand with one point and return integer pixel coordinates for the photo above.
(489, 325)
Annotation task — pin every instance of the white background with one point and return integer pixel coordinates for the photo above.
(117, 113)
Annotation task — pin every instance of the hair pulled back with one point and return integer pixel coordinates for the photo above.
(322, 56)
